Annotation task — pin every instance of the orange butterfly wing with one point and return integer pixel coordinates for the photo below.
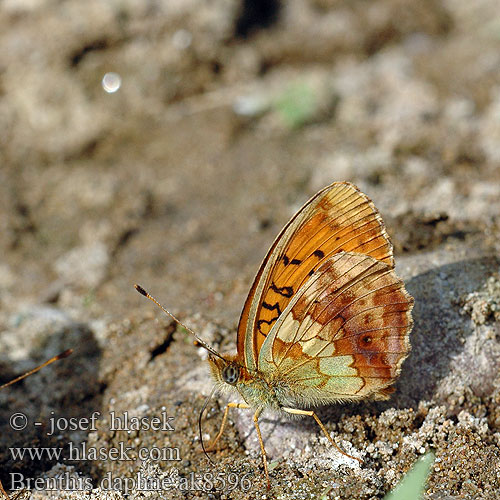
(338, 218)
(343, 336)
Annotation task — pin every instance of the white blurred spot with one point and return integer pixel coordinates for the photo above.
(111, 82)
(182, 39)
(249, 105)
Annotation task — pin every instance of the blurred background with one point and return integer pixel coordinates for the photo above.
(166, 142)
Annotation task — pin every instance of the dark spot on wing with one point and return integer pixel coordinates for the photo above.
(286, 291)
(263, 321)
(272, 307)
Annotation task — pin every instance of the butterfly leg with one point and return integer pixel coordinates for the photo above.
(261, 442)
(4, 493)
(310, 413)
(211, 447)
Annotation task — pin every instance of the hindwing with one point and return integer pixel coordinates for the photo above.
(344, 335)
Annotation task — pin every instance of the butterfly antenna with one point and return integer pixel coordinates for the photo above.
(198, 341)
(205, 404)
(64, 354)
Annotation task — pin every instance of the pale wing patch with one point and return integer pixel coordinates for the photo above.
(337, 366)
(341, 387)
(317, 347)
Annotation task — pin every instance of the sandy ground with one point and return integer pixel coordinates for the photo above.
(224, 124)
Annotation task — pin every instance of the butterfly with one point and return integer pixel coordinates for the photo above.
(326, 320)
(64, 354)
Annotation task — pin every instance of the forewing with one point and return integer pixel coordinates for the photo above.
(345, 334)
(338, 218)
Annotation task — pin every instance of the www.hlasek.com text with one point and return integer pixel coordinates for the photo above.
(83, 452)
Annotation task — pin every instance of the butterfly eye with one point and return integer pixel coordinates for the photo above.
(231, 374)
